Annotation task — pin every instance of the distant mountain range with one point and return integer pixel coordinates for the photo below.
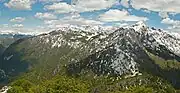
(9, 38)
(85, 52)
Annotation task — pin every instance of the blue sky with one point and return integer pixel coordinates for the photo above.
(51, 14)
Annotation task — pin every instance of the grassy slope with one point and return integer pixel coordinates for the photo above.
(165, 64)
(170, 69)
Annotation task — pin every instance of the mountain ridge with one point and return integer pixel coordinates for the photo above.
(122, 53)
(102, 35)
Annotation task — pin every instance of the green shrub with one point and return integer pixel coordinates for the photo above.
(20, 85)
(16, 89)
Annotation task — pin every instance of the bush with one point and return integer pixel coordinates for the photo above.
(16, 89)
(20, 85)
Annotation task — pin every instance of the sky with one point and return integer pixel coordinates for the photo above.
(45, 15)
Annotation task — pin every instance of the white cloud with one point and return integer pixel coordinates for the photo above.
(91, 5)
(49, 1)
(121, 24)
(71, 19)
(147, 11)
(82, 21)
(20, 4)
(17, 19)
(125, 3)
(18, 25)
(174, 29)
(173, 25)
(80, 6)
(169, 21)
(27, 31)
(20, 29)
(172, 13)
(163, 14)
(78, 21)
(5, 25)
(45, 16)
(118, 15)
(61, 7)
(157, 5)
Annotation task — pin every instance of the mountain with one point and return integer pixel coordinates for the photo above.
(8, 38)
(1, 49)
(115, 56)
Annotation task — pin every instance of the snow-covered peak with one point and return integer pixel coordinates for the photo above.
(141, 23)
(140, 27)
(174, 34)
(87, 28)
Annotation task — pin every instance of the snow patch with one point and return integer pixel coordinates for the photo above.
(8, 58)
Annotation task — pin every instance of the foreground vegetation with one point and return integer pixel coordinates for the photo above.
(90, 83)
(69, 84)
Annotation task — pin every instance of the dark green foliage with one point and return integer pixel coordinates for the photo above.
(68, 84)
(59, 84)
(1, 49)
(63, 84)
(16, 89)
(2, 75)
(139, 89)
(20, 85)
